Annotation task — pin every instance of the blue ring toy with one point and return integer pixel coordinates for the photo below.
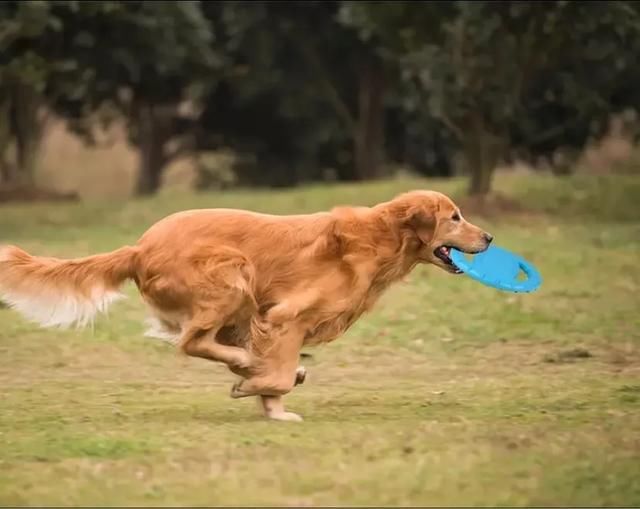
(498, 268)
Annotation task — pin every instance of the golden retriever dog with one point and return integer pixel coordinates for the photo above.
(248, 289)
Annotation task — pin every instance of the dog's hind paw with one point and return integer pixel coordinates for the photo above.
(237, 392)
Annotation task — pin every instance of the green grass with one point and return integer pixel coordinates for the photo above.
(449, 393)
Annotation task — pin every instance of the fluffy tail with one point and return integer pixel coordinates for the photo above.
(53, 292)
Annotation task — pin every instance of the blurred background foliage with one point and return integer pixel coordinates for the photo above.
(277, 94)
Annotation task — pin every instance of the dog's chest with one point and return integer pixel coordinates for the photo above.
(336, 320)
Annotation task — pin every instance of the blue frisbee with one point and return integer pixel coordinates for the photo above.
(499, 268)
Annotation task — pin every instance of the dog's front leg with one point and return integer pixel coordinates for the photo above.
(276, 371)
(273, 408)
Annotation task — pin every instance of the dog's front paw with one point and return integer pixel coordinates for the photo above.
(284, 416)
(301, 375)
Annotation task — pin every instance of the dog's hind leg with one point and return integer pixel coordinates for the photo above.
(222, 296)
(201, 342)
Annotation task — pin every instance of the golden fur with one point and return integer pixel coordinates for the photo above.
(249, 289)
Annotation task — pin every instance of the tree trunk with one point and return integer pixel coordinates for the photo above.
(28, 129)
(482, 152)
(152, 137)
(5, 135)
(369, 131)
(481, 178)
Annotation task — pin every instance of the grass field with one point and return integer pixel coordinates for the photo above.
(449, 393)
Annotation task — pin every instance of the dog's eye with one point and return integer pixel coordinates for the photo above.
(456, 217)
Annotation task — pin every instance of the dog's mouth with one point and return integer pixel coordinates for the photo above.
(443, 253)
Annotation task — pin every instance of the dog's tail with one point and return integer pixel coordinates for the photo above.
(53, 292)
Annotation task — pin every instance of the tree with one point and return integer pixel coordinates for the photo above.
(77, 57)
(314, 91)
(263, 105)
(571, 101)
(28, 61)
(473, 64)
(147, 61)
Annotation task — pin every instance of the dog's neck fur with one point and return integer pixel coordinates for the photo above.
(377, 238)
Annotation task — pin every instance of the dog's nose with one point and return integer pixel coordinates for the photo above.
(487, 237)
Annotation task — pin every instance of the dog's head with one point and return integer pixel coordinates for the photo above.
(436, 225)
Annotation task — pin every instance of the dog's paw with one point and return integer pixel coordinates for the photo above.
(242, 364)
(284, 416)
(301, 375)
(237, 392)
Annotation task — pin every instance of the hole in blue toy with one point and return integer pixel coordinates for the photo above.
(522, 276)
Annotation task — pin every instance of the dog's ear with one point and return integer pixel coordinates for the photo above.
(420, 218)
